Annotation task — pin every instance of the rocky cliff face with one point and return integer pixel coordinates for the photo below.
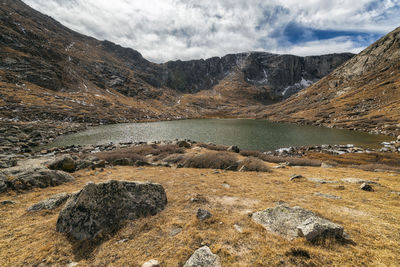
(285, 74)
(363, 93)
(39, 52)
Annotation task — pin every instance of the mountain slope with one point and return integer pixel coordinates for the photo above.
(363, 93)
(50, 71)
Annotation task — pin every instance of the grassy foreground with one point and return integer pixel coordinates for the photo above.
(370, 218)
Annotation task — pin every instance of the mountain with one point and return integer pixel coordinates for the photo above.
(48, 71)
(362, 94)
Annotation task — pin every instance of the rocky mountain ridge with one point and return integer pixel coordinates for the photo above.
(42, 59)
(362, 94)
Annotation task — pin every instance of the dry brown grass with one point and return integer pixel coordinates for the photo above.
(211, 160)
(253, 164)
(370, 218)
(277, 159)
(138, 153)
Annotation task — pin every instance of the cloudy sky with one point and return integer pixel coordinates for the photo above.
(165, 30)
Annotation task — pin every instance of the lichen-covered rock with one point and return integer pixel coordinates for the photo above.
(51, 203)
(25, 178)
(64, 163)
(100, 208)
(203, 214)
(203, 257)
(292, 222)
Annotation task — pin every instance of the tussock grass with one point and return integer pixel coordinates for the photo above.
(211, 160)
(253, 164)
(213, 146)
(277, 159)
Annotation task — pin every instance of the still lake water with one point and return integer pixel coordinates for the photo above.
(245, 133)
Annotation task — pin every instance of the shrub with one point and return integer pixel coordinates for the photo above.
(253, 164)
(213, 147)
(112, 156)
(174, 158)
(212, 160)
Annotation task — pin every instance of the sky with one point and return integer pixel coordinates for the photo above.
(163, 30)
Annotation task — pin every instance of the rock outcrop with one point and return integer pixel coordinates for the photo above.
(51, 203)
(101, 208)
(203, 257)
(292, 222)
(25, 178)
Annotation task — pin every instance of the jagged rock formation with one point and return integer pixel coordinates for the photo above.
(363, 93)
(47, 61)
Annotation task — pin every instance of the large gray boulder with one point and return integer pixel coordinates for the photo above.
(292, 222)
(51, 203)
(203, 257)
(22, 178)
(101, 208)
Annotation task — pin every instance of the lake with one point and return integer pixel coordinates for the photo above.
(245, 133)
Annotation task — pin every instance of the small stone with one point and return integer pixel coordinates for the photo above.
(320, 181)
(7, 202)
(238, 228)
(234, 149)
(225, 185)
(366, 187)
(123, 241)
(203, 214)
(203, 257)
(295, 177)
(198, 198)
(357, 181)
(327, 196)
(151, 263)
(326, 165)
(175, 231)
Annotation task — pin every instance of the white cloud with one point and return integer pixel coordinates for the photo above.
(186, 29)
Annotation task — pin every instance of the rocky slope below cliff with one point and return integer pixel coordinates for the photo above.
(48, 71)
(362, 94)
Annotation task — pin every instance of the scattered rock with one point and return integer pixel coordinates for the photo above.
(357, 181)
(339, 187)
(100, 208)
(326, 165)
(203, 214)
(64, 163)
(295, 177)
(7, 202)
(151, 263)
(320, 181)
(25, 178)
(122, 162)
(327, 196)
(366, 187)
(198, 198)
(292, 222)
(184, 144)
(175, 231)
(123, 241)
(203, 257)
(51, 203)
(234, 149)
(225, 185)
(238, 228)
